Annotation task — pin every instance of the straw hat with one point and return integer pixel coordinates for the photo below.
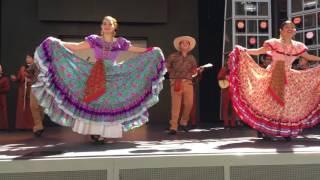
(177, 40)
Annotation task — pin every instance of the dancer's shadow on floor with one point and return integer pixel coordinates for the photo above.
(87, 150)
(159, 142)
(280, 145)
(44, 147)
(65, 150)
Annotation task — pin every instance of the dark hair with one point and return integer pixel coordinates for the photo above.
(285, 23)
(29, 55)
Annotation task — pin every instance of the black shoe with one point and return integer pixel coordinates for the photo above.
(94, 137)
(172, 132)
(259, 134)
(288, 138)
(100, 141)
(194, 126)
(184, 128)
(97, 139)
(38, 133)
(265, 137)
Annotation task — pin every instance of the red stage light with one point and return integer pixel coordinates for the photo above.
(296, 20)
(309, 35)
(263, 24)
(252, 40)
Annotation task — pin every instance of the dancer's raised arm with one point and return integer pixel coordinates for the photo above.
(310, 57)
(262, 50)
(74, 46)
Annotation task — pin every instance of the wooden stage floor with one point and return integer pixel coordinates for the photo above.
(151, 139)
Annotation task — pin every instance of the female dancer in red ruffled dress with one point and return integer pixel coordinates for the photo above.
(276, 101)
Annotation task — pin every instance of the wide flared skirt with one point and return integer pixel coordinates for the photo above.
(260, 109)
(131, 88)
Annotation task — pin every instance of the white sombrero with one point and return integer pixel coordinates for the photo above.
(177, 41)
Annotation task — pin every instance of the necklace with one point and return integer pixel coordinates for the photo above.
(287, 47)
(106, 48)
(287, 52)
(103, 50)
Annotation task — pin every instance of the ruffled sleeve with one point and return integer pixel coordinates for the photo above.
(124, 43)
(300, 48)
(92, 40)
(271, 43)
